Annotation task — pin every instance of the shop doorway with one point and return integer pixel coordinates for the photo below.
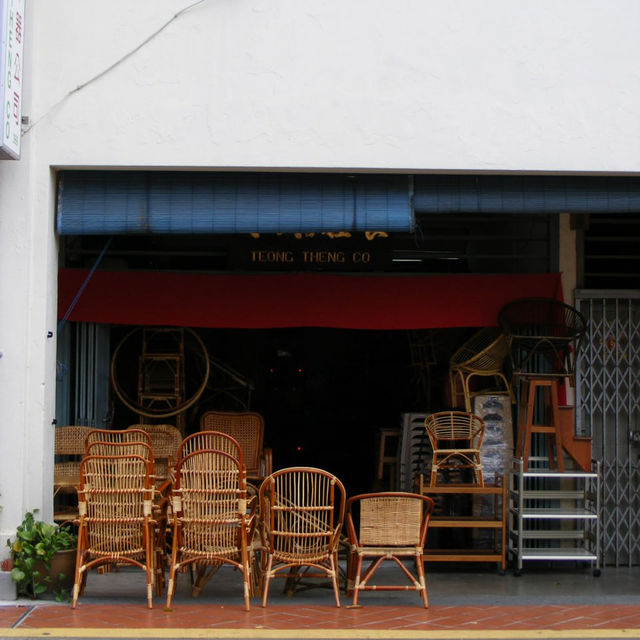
(324, 393)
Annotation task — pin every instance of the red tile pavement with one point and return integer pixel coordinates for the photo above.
(10, 615)
(405, 618)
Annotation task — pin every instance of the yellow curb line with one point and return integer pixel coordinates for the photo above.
(358, 634)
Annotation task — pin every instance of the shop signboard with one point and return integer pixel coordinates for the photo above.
(339, 251)
(11, 58)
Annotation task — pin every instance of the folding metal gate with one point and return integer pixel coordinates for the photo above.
(608, 409)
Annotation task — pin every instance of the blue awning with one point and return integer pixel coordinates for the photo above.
(119, 202)
(526, 194)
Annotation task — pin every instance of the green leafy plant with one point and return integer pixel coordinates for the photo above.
(36, 544)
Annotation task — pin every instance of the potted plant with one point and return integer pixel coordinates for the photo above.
(43, 558)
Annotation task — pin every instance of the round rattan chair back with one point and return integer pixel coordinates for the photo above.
(542, 333)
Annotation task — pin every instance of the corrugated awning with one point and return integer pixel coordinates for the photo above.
(526, 194)
(119, 202)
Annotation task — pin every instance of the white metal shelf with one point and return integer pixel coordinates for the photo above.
(554, 516)
(559, 553)
(553, 534)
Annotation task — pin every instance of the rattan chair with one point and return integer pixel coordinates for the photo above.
(69, 442)
(68, 449)
(115, 526)
(211, 525)
(390, 526)
(302, 511)
(103, 448)
(456, 438)
(138, 442)
(165, 442)
(542, 334)
(117, 435)
(481, 356)
(216, 440)
(247, 428)
(211, 440)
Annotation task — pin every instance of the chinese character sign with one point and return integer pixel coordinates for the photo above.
(11, 53)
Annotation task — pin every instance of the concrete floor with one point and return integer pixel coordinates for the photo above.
(460, 585)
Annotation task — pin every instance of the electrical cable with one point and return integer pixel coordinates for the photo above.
(148, 39)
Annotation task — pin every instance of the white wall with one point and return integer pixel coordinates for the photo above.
(457, 85)
(450, 85)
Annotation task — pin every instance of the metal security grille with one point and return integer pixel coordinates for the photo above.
(608, 409)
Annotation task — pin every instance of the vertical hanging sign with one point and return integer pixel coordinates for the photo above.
(11, 50)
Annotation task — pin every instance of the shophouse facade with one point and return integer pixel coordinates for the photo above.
(160, 139)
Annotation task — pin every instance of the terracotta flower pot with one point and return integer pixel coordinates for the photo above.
(62, 571)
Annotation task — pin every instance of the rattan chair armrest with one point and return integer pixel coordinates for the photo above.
(165, 488)
(352, 535)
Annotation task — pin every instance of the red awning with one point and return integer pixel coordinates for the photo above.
(295, 300)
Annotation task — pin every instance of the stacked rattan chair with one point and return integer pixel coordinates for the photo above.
(218, 441)
(210, 525)
(483, 355)
(165, 442)
(115, 525)
(456, 438)
(112, 442)
(302, 511)
(543, 335)
(69, 442)
(247, 428)
(69, 449)
(387, 526)
(130, 434)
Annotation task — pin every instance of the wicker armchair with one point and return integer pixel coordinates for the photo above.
(302, 511)
(218, 441)
(115, 525)
(211, 527)
(138, 442)
(248, 429)
(483, 356)
(541, 335)
(456, 438)
(391, 526)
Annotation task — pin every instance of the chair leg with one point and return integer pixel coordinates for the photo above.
(334, 577)
(467, 391)
(478, 471)
(422, 580)
(555, 413)
(246, 572)
(80, 580)
(434, 470)
(352, 560)
(356, 583)
(527, 425)
(246, 577)
(171, 586)
(267, 579)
